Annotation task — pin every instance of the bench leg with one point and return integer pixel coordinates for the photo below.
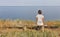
(42, 28)
(24, 28)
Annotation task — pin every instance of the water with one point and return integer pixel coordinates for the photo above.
(29, 12)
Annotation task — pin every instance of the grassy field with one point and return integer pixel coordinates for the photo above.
(16, 32)
(28, 33)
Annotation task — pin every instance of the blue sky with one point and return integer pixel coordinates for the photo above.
(29, 2)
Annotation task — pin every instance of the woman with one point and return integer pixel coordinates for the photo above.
(40, 20)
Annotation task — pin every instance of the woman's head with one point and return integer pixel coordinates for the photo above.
(39, 12)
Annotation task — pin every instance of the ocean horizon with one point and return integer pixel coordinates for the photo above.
(29, 12)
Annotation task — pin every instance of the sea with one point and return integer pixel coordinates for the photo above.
(29, 12)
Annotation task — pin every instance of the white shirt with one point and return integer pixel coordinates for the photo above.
(39, 21)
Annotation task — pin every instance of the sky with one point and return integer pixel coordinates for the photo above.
(29, 2)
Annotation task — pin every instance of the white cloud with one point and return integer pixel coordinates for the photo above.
(29, 2)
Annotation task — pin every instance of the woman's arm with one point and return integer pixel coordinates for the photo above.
(43, 20)
(36, 20)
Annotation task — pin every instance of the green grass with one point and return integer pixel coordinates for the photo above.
(30, 33)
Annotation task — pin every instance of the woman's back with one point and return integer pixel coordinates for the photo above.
(39, 21)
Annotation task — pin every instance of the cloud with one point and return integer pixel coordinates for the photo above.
(29, 2)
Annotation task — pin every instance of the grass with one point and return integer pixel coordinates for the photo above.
(29, 33)
(14, 32)
(15, 23)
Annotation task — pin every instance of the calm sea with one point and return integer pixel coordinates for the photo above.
(29, 12)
